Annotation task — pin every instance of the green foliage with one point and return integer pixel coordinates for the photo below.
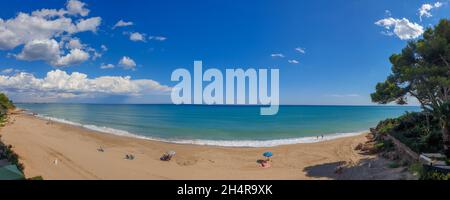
(5, 102)
(394, 165)
(10, 155)
(416, 169)
(434, 175)
(384, 145)
(422, 70)
(418, 131)
(7, 152)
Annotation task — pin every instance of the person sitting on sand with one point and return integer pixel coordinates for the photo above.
(129, 157)
(265, 164)
(167, 156)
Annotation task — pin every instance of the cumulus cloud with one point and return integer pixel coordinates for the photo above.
(25, 28)
(425, 9)
(127, 63)
(277, 55)
(38, 32)
(74, 57)
(90, 24)
(293, 61)
(137, 37)
(46, 50)
(122, 23)
(75, 7)
(74, 43)
(59, 83)
(41, 25)
(402, 28)
(49, 51)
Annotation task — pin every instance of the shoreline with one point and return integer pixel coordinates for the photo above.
(59, 151)
(206, 142)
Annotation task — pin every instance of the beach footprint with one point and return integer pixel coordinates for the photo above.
(186, 161)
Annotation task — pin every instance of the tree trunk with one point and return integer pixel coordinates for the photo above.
(446, 137)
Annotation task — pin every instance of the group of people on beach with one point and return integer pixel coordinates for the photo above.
(266, 163)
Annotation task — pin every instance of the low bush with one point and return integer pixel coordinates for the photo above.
(419, 131)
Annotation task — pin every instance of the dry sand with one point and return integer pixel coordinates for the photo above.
(39, 143)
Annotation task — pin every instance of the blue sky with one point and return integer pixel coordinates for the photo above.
(346, 46)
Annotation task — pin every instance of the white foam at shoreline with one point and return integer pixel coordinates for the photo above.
(221, 143)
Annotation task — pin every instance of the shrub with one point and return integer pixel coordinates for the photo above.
(417, 130)
(5, 103)
(416, 169)
(394, 165)
(11, 156)
(434, 175)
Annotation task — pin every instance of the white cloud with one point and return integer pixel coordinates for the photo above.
(7, 71)
(49, 13)
(45, 50)
(90, 24)
(25, 28)
(49, 51)
(74, 57)
(59, 83)
(75, 43)
(136, 37)
(157, 38)
(10, 71)
(300, 50)
(425, 9)
(106, 66)
(403, 28)
(127, 63)
(38, 32)
(75, 7)
(122, 23)
(279, 55)
(293, 61)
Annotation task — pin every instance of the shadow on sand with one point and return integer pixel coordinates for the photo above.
(367, 169)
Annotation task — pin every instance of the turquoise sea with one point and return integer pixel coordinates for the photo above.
(220, 125)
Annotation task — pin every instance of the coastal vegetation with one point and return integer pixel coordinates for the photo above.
(6, 151)
(10, 155)
(420, 133)
(422, 71)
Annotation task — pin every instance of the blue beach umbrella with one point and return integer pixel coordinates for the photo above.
(268, 154)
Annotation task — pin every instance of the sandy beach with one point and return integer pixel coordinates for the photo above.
(60, 151)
